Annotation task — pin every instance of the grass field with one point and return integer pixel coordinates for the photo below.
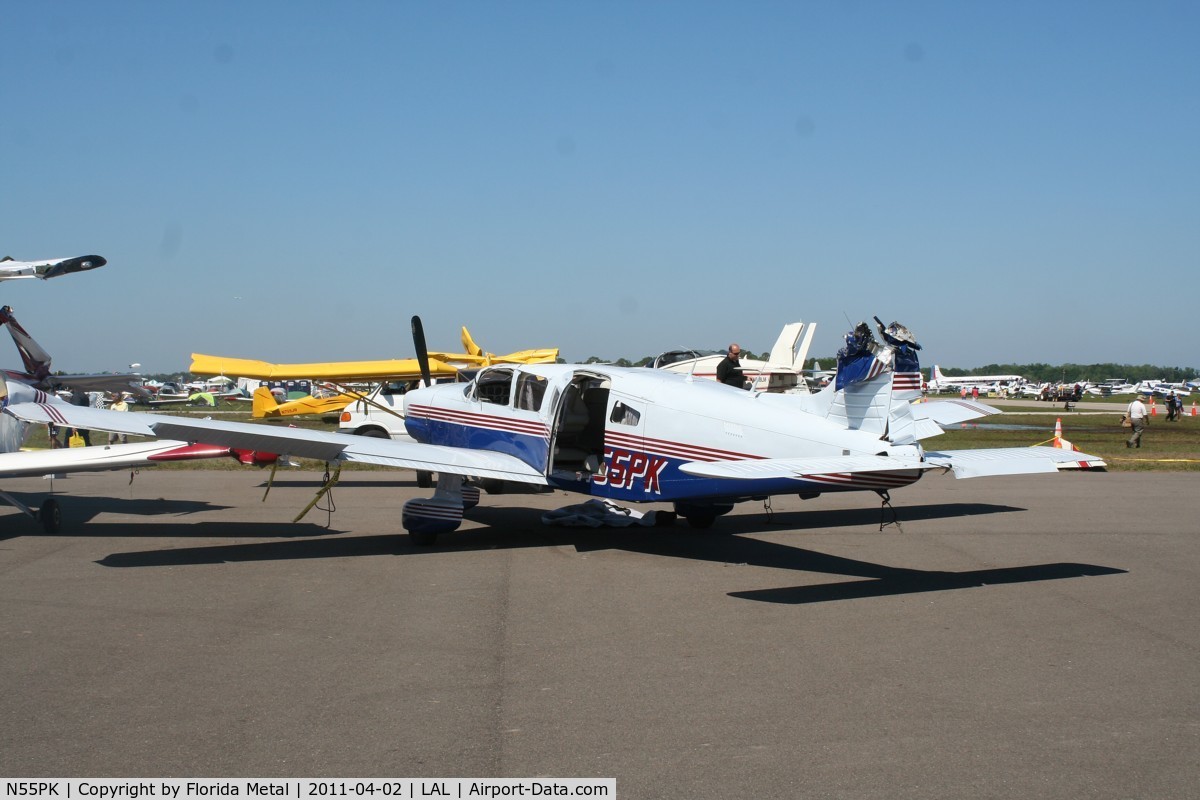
(1166, 446)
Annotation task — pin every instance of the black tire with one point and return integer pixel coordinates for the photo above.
(374, 433)
(424, 479)
(701, 520)
(50, 515)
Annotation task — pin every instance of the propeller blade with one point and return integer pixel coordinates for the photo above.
(418, 332)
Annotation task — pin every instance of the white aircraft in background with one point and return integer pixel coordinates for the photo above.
(1162, 388)
(38, 371)
(783, 371)
(49, 268)
(634, 435)
(939, 381)
(34, 383)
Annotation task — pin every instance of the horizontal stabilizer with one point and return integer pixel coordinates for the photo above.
(1011, 461)
(951, 412)
(758, 469)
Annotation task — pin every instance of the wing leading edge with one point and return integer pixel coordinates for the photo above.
(292, 441)
(963, 463)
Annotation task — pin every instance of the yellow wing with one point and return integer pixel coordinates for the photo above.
(338, 371)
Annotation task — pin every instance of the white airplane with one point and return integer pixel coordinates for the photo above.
(783, 371)
(1162, 388)
(38, 370)
(49, 268)
(939, 381)
(635, 435)
(33, 384)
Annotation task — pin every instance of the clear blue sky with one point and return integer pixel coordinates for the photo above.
(1015, 181)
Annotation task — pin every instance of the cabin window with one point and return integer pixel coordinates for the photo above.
(494, 386)
(530, 391)
(625, 415)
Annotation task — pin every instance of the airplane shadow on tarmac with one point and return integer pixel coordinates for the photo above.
(78, 511)
(508, 528)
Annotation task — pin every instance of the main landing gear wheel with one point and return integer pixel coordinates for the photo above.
(701, 520)
(50, 515)
(424, 479)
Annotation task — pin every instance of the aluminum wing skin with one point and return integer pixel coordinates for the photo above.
(293, 441)
(1011, 461)
(757, 469)
(951, 412)
(96, 458)
(963, 463)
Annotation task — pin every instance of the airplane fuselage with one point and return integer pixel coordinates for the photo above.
(624, 434)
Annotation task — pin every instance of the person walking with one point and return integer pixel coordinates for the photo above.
(1139, 419)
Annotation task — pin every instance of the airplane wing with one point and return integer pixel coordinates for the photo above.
(99, 457)
(402, 368)
(101, 383)
(1011, 461)
(751, 469)
(300, 442)
(963, 463)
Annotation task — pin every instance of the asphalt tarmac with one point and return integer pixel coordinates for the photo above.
(1019, 637)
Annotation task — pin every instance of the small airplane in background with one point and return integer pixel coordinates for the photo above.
(37, 367)
(1162, 388)
(324, 399)
(783, 371)
(11, 270)
(938, 381)
(37, 385)
(340, 377)
(441, 365)
(637, 435)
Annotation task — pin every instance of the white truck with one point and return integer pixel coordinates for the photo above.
(381, 415)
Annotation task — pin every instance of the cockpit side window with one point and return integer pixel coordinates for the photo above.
(494, 386)
(625, 415)
(530, 391)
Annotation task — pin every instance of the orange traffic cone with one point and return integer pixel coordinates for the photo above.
(1193, 408)
(1059, 441)
(1153, 408)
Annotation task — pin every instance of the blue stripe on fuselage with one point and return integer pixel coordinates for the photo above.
(530, 449)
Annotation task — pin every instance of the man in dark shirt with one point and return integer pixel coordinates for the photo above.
(728, 371)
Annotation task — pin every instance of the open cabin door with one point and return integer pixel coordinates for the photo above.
(577, 435)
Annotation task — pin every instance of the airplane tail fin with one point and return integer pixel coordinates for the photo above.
(37, 360)
(469, 344)
(875, 383)
(264, 404)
